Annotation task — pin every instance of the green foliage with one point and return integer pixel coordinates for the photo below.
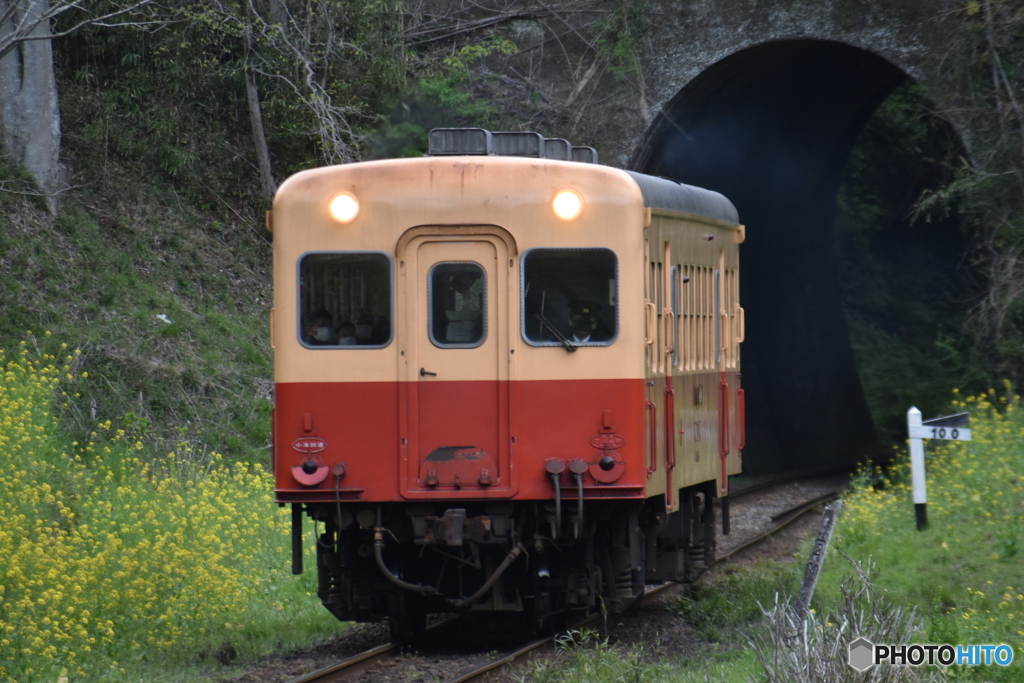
(982, 77)
(905, 287)
(171, 104)
(963, 572)
(453, 94)
(326, 73)
(619, 36)
(162, 106)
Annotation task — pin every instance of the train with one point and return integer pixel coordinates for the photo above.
(507, 379)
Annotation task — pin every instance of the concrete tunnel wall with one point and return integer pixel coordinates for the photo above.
(771, 128)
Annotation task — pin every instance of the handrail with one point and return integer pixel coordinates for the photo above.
(670, 439)
(670, 333)
(743, 417)
(723, 435)
(649, 321)
(652, 426)
(723, 419)
(670, 424)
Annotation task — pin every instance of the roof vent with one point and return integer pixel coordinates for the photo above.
(519, 144)
(584, 154)
(478, 141)
(557, 148)
(460, 141)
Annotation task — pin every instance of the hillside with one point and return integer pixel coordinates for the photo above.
(167, 303)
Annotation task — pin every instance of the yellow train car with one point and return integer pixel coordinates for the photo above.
(506, 380)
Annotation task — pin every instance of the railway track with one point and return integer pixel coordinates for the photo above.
(350, 669)
(352, 666)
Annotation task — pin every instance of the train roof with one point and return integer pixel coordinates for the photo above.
(664, 193)
(658, 193)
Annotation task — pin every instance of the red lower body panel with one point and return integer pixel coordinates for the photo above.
(382, 441)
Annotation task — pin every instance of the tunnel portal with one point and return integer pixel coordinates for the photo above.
(771, 128)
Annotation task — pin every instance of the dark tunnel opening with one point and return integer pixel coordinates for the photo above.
(771, 128)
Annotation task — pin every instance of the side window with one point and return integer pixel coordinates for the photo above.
(457, 307)
(345, 300)
(572, 294)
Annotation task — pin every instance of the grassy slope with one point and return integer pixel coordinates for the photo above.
(99, 276)
(963, 573)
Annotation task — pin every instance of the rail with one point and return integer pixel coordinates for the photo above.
(352, 666)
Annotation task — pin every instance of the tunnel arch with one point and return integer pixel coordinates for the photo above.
(771, 127)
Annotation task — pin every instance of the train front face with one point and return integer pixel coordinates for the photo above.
(448, 349)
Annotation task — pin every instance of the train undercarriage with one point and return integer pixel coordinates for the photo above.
(550, 564)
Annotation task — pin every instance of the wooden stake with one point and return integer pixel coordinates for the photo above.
(817, 558)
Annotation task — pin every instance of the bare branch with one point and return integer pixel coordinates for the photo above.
(298, 53)
(31, 27)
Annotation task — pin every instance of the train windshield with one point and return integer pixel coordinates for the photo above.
(570, 295)
(345, 300)
(458, 297)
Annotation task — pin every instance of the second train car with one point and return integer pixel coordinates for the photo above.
(504, 380)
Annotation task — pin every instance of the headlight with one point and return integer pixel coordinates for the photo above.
(344, 208)
(568, 205)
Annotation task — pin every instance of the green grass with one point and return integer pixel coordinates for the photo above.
(963, 575)
(586, 657)
(169, 308)
(724, 606)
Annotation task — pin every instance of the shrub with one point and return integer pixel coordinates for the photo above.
(110, 563)
(792, 649)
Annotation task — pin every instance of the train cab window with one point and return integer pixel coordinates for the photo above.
(570, 295)
(457, 305)
(345, 300)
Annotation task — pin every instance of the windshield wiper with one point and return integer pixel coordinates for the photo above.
(554, 330)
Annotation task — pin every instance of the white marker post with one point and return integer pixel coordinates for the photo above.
(917, 469)
(948, 428)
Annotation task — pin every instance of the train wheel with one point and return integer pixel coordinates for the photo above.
(407, 616)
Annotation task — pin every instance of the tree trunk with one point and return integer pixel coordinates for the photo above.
(259, 138)
(29, 111)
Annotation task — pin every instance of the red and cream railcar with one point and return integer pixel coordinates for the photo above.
(503, 382)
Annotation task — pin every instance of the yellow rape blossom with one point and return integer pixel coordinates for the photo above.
(107, 557)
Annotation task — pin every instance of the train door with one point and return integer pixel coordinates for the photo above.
(721, 361)
(668, 316)
(660, 392)
(455, 322)
(650, 351)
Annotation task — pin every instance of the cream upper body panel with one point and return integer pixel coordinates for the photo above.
(493, 198)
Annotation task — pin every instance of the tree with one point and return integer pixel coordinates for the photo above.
(252, 95)
(984, 68)
(29, 107)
